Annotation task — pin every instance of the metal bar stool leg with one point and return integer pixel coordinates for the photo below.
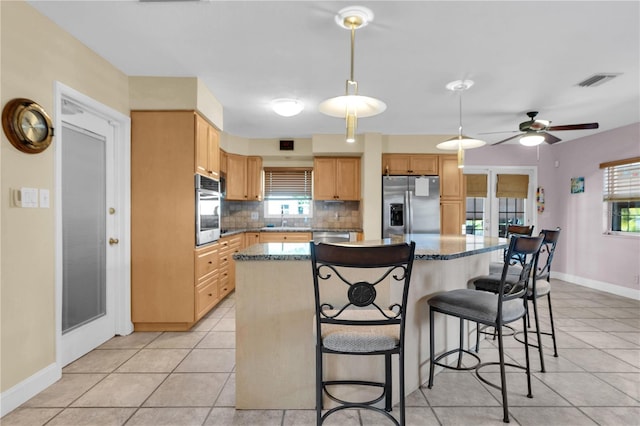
(431, 349)
(528, 366)
(503, 376)
(538, 334)
(319, 390)
(553, 328)
(387, 384)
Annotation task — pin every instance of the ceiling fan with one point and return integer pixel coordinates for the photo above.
(532, 130)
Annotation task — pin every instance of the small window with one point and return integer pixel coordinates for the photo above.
(287, 192)
(621, 196)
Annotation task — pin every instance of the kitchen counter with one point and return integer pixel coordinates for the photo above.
(227, 232)
(428, 247)
(275, 307)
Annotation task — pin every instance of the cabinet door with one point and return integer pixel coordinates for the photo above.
(251, 238)
(424, 165)
(213, 152)
(324, 178)
(223, 161)
(395, 164)
(202, 146)
(450, 178)
(236, 177)
(451, 217)
(348, 179)
(254, 178)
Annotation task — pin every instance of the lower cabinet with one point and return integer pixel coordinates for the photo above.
(227, 266)
(206, 282)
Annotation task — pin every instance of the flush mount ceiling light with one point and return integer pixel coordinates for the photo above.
(532, 139)
(460, 142)
(351, 105)
(287, 107)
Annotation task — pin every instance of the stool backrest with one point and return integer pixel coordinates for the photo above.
(347, 278)
(551, 237)
(527, 249)
(517, 230)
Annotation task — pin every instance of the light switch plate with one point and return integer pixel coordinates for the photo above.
(254, 215)
(44, 198)
(29, 197)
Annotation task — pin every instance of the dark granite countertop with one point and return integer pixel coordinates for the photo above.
(428, 247)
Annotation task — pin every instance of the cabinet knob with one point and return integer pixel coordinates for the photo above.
(210, 262)
(210, 294)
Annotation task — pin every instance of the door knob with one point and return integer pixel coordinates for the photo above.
(113, 241)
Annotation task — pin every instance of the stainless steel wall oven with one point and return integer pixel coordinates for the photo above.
(207, 210)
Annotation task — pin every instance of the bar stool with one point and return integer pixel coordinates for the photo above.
(496, 267)
(492, 309)
(540, 287)
(350, 321)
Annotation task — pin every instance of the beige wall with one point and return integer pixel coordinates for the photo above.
(31, 63)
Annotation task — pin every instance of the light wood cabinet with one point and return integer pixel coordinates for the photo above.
(223, 162)
(452, 196)
(206, 281)
(410, 164)
(244, 178)
(336, 178)
(173, 284)
(251, 238)
(207, 149)
(285, 237)
(227, 267)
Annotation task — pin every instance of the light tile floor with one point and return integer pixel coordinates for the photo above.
(188, 378)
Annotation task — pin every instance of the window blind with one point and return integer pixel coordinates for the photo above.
(476, 185)
(512, 186)
(622, 180)
(287, 182)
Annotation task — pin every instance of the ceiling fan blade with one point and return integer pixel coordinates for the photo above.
(507, 139)
(550, 139)
(574, 126)
(504, 131)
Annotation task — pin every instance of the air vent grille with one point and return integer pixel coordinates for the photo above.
(597, 79)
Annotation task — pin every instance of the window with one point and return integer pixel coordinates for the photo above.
(621, 195)
(475, 216)
(510, 212)
(287, 192)
(476, 185)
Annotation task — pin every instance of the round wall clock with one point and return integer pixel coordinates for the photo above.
(27, 125)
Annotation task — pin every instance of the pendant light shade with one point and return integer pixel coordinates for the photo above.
(460, 142)
(352, 106)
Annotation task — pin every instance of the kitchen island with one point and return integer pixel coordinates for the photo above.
(275, 345)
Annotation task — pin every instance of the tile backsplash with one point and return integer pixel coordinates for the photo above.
(326, 215)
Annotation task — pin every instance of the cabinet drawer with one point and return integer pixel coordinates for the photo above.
(206, 262)
(206, 296)
(224, 286)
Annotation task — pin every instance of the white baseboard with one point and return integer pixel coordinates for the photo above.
(631, 293)
(15, 396)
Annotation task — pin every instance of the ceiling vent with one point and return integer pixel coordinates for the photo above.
(598, 79)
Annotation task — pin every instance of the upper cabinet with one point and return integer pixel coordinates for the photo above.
(244, 178)
(207, 149)
(452, 196)
(336, 178)
(410, 164)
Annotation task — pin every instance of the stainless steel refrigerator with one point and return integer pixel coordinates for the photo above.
(410, 205)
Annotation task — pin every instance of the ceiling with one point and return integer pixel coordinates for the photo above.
(522, 56)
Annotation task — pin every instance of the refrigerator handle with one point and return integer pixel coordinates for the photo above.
(408, 212)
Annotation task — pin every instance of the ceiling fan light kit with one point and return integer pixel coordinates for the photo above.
(351, 105)
(532, 139)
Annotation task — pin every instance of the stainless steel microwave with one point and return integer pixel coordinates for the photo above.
(207, 210)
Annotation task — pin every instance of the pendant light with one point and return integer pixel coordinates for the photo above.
(460, 142)
(351, 105)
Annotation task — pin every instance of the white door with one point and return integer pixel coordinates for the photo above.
(89, 231)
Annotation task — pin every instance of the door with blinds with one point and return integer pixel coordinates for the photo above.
(499, 197)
